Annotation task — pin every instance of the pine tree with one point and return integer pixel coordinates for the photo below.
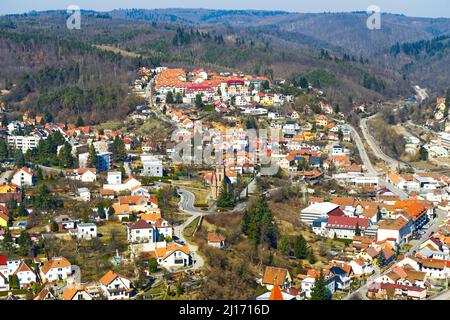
(169, 97)
(92, 158)
(111, 213)
(300, 247)
(19, 159)
(381, 259)
(80, 122)
(3, 149)
(225, 198)
(65, 156)
(118, 149)
(198, 101)
(258, 224)
(101, 210)
(320, 290)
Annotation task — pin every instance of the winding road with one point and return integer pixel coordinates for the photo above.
(371, 170)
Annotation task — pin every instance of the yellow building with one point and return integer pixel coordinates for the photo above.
(3, 220)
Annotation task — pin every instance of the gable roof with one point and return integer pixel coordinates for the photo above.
(214, 237)
(344, 222)
(23, 267)
(274, 275)
(56, 262)
(109, 277)
(140, 224)
(70, 292)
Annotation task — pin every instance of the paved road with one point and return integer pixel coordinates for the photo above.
(393, 163)
(362, 152)
(441, 296)
(186, 204)
(371, 170)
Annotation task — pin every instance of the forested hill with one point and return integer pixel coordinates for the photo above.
(50, 68)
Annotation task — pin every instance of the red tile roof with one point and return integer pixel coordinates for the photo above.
(344, 222)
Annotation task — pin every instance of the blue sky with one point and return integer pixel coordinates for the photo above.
(418, 8)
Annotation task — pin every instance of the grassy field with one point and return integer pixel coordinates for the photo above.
(116, 227)
(189, 230)
(117, 50)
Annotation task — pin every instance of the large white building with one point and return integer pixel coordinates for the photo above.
(86, 231)
(23, 143)
(317, 211)
(152, 166)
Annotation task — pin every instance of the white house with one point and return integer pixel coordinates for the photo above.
(152, 166)
(26, 275)
(86, 231)
(436, 269)
(23, 177)
(84, 194)
(173, 255)
(216, 240)
(87, 174)
(115, 287)
(114, 177)
(140, 232)
(360, 266)
(56, 269)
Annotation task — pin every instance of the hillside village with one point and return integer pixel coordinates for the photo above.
(108, 212)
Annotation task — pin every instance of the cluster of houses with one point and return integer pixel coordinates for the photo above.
(60, 281)
(379, 227)
(219, 89)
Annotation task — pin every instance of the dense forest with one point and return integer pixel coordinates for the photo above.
(71, 73)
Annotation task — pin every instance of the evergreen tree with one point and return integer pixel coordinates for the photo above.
(85, 216)
(258, 224)
(92, 158)
(320, 290)
(3, 150)
(381, 259)
(118, 149)
(79, 122)
(225, 198)
(169, 97)
(178, 98)
(101, 210)
(14, 282)
(66, 158)
(423, 154)
(340, 135)
(152, 265)
(301, 249)
(19, 159)
(8, 242)
(53, 226)
(379, 214)
(111, 213)
(25, 243)
(199, 101)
